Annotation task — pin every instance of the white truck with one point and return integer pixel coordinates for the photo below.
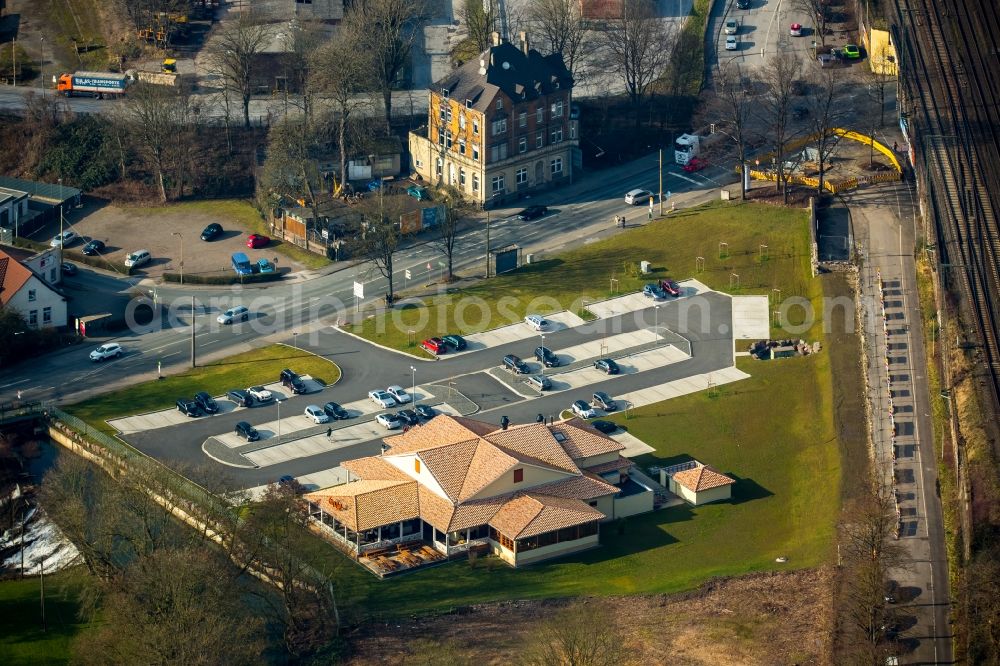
(686, 147)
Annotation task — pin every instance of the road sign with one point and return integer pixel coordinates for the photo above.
(428, 265)
(441, 264)
(359, 289)
(407, 274)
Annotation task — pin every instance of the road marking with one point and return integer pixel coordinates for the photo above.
(14, 383)
(690, 180)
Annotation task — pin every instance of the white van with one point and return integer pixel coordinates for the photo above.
(137, 258)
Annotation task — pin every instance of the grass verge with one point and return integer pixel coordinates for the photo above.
(242, 213)
(262, 366)
(22, 640)
(765, 247)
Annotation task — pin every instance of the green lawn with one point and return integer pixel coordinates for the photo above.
(570, 280)
(22, 640)
(261, 366)
(242, 213)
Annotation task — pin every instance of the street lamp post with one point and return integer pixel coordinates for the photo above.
(295, 339)
(656, 322)
(542, 387)
(41, 66)
(193, 322)
(413, 384)
(178, 234)
(62, 241)
(278, 403)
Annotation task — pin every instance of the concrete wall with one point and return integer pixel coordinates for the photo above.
(557, 550)
(590, 461)
(633, 504)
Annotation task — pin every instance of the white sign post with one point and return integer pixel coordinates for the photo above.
(359, 294)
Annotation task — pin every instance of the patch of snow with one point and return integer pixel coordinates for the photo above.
(44, 544)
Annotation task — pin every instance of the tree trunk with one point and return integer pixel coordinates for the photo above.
(341, 138)
(160, 183)
(246, 111)
(387, 101)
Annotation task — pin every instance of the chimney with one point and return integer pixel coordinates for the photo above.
(523, 36)
(495, 38)
(482, 72)
(504, 422)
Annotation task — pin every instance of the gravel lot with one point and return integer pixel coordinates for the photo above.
(125, 230)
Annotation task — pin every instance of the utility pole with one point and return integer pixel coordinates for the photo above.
(661, 182)
(177, 233)
(487, 243)
(193, 361)
(62, 241)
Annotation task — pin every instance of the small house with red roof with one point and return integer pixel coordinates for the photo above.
(27, 292)
(696, 483)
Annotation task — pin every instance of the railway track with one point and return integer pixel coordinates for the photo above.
(947, 49)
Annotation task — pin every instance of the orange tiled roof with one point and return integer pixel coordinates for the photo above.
(583, 441)
(374, 467)
(619, 464)
(477, 512)
(363, 505)
(435, 509)
(442, 430)
(488, 465)
(702, 478)
(586, 487)
(533, 443)
(450, 465)
(532, 514)
(13, 276)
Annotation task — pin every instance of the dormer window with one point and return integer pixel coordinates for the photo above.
(468, 103)
(444, 93)
(518, 475)
(559, 435)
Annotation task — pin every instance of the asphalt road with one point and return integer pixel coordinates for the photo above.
(366, 367)
(580, 213)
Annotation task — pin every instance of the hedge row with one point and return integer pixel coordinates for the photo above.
(222, 279)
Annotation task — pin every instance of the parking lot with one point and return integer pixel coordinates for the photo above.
(657, 363)
(126, 230)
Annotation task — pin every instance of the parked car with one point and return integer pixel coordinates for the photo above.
(545, 356)
(670, 287)
(742, 4)
(206, 402)
(851, 51)
(259, 393)
(637, 197)
(232, 315)
(292, 381)
(264, 266)
(434, 345)
(316, 413)
(211, 232)
(604, 401)
(607, 366)
(382, 398)
(292, 484)
(607, 427)
(388, 421)
(536, 322)
(104, 352)
(94, 247)
(732, 43)
(68, 268)
(456, 342)
(653, 291)
(795, 30)
(425, 412)
(247, 431)
(694, 164)
(408, 417)
(137, 258)
(376, 184)
(62, 240)
(256, 241)
(400, 394)
(540, 382)
(240, 397)
(515, 364)
(188, 407)
(532, 212)
(732, 27)
(418, 192)
(582, 409)
(241, 264)
(335, 411)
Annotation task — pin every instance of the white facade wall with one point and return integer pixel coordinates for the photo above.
(33, 299)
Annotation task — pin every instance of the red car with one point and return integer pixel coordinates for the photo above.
(670, 287)
(256, 240)
(435, 346)
(695, 164)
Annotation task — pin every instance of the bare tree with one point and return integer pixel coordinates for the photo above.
(455, 208)
(480, 18)
(776, 108)
(381, 236)
(733, 106)
(302, 42)
(825, 106)
(234, 52)
(339, 73)
(291, 168)
(878, 75)
(818, 12)
(637, 47)
(155, 117)
(581, 635)
(560, 25)
(385, 30)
